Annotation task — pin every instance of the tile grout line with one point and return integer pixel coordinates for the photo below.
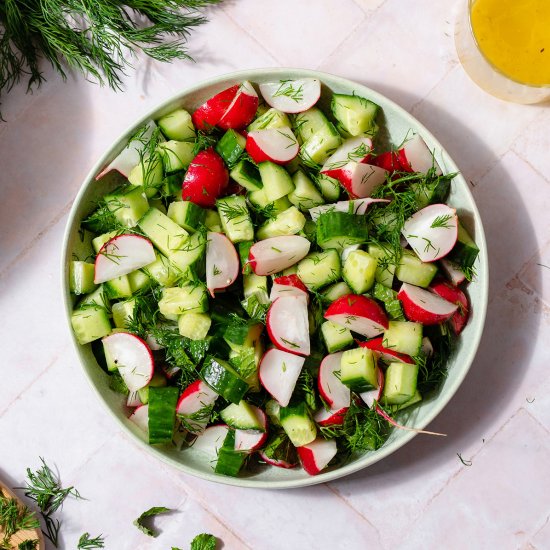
(513, 150)
(534, 418)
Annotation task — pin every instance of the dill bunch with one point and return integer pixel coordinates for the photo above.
(98, 38)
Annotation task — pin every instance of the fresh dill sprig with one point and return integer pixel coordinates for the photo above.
(14, 517)
(29, 544)
(288, 89)
(87, 543)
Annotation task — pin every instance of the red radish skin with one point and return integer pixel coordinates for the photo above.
(316, 455)
(122, 255)
(277, 253)
(133, 358)
(385, 353)
(389, 161)
(360, 179)
(288, 324)
(278, 145)
(333, 417)
(278, 463)
(140, 417)
(423, 306)
(205, 179)
(210, 113)
(394, 423)
(359, 314)
(335, 394)
(455, 296)
(250, 440)
(279, 372)
(288, 285)
(242, 109)
(432, 231)
(291, 280)
(357, 149)
(222, 262)
(357, 206)
(292, 96)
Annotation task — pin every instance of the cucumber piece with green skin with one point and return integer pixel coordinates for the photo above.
(100, 240)
(289, 222)
(400, 383)
(256, 285)
(99, 297)
(139, 280)
(158, 381)
(280, 452)
(176, 155)
(431, 192)
(171, 185)
(404, 337)
(336, 337)
(235, 218)
(385, 269)
(223, 379)
(276, 180)
(164, 233)
(241, 416)
(128, 204)
(318, 148)
(273, 411)
(339, 230)
(359, 271)
(244, 249)
(229, 461)
(194, 326)
(177, 125)
(356, 115)
(162, 414)
(308, 123)
(297, 423)
(161, 271)
(212, 221)
(90, 323)
(330, 188)
(119, 287)
(413, 270)
(309, 231)
(391, 303)
(305, 195)
(191, 255)
(148, 174)
(335, 291)
(465, 250)
(189, 298)
(416, 398)
(186, 214)
(319, 269)
(358, 370)
(123, 312)
(272, 118)
(247, 175)
(81, 277)
(230, 147)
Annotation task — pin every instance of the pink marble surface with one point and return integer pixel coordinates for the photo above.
(420, 497)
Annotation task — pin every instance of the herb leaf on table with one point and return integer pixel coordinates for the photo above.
(204, 541)
(87, 543)
(152, 512)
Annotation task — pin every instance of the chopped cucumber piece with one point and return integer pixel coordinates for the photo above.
(400, 383)
(161, 271)
(187, 214)
(165, 234)
(272, 118)
(139, 280)
(244, 250)
(413, 270)
(176, 155)
(90, 323)
(431, 192)
(81, 277)
(358, 369)
(235, 218)
(359, 271)
(298, 424)
(148, 174)
(177, 125)
(356, 115)
(256, 285)
(465, 250)
(229, 461)
(119, 287)
(339, 230)
(316, 149)
(404, 337)
(194, 326)
(416, 398)
(330, 188)
(335, 291)
(162, 414)
(247, 174)
(273, 411)
(276, 180)
(185, 299)
(99, 297)
(241, 416)
(319, 269)
(309, 122)
(100, 240)
(336, 337)
(191, 255)
(212, 221)
(230, 147)
(128, 204)
(223, 379)
(158, 381)
(391, 302)
(385, 269)
(305, 195)
(289, 222)
(123, 312)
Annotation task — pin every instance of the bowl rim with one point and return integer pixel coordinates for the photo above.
(451, 386)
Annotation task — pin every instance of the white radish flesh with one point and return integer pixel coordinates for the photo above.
(279, 372)
(250, 440)
(275, 144)
(363, 179)
(356, 206)
(133, 400)
(211, 440)
(288, 324)
(453, 271)
(362, 325)
(291, 96)
(222, 262)
(374, 395)
(418, 156)
(140, 417)
(356, 149)
(336, 394)
(277, 253)
(432, 231)
(281, 291)
(316, 455)
(122, 255)
(425, 301)
(196, 397)
(331, 417)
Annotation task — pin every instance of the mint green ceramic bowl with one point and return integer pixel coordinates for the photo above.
(397, 122)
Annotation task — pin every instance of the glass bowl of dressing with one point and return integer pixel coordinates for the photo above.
(504, 46)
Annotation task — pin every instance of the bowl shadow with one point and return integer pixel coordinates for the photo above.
(494, 376)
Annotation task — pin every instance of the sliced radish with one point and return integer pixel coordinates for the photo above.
(278, 463)
(389, 161)
(360, 179)
(357, 149)
(131, 155)
(357, 206)
(122, 255)
(453, 271)
(287, 324)
(423, 306)
(335, 394)
(133, 400)
(292, 96)
(132, 357)
(252, 440)
(332, 417)
(291, 280)
(242, 109)
(415, 156)
(277, 145)
(427, 349)
(373, 396)
(211, 440)
(211, 112)
(389, 419)
(359, 314)
(222, 262)
(432, 231)
(279, 372)
(140, 417)
(280, 291)
(316, 455)
(385, 353)
(196, 397)
(277, 253)
(455, 296)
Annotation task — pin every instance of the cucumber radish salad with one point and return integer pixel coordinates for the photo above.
(268, 283)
